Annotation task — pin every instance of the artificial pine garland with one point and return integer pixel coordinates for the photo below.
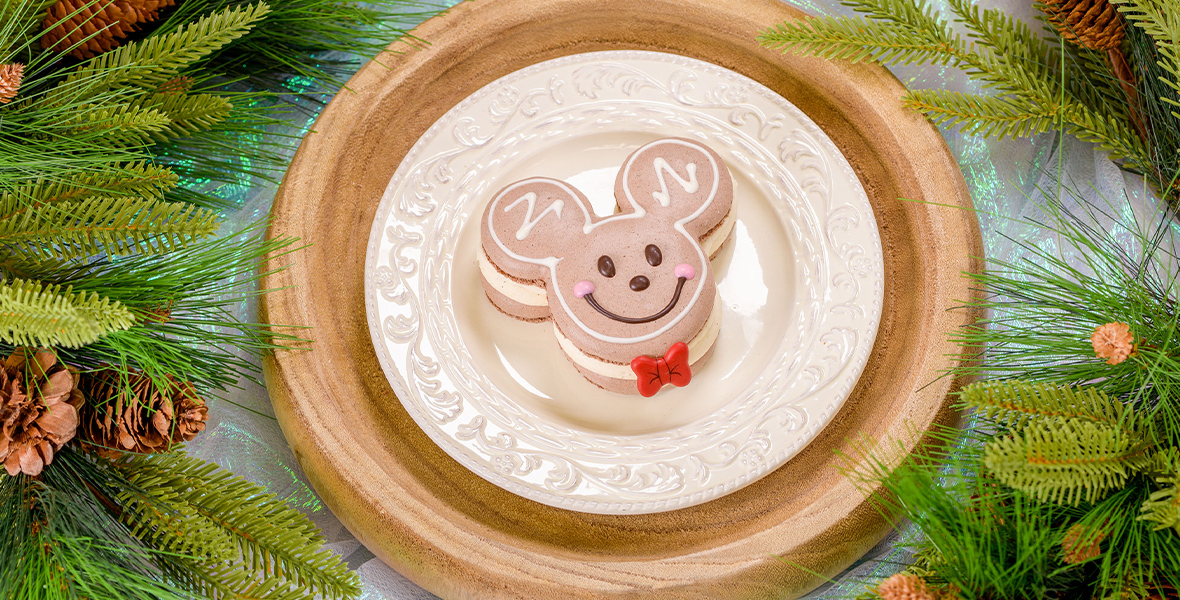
(1067, 485)
(121, 118)
(1084, 87)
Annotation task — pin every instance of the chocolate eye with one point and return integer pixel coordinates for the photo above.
(606, 266)
(654, 258)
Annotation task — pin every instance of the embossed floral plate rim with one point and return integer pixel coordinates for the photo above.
(483, 438)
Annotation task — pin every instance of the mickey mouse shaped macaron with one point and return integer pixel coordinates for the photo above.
(632, 297)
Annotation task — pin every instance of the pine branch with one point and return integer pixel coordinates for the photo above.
(132, 179)
(1006, 57)
(1112, 135)
(43, 269)
(990, 116)
(32, 314)
(112, 225)
(20, 23)
(1162, 508)
(115, 126)
(1066, 461)
(1004, 35)
(187, 113)
(319, 42)
(203, 284)
(162, 519)
(58, 543)
(227, 581)
(857, 39)
(1159, 18)
(146, 64)
(1017, 404)
(279, 549)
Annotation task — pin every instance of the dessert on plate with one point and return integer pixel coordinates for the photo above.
(631, 296)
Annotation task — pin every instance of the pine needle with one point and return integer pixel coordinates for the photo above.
(1066, 460)
(33, 314)
(1017, 403)
(113, 225)
(280, 552)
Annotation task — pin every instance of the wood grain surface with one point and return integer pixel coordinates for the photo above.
(461, 537)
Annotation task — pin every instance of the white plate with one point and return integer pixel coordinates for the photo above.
(801, 282)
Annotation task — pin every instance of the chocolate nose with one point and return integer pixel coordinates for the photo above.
(639, 283)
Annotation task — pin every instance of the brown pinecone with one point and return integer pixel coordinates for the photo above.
(39, 405)
(1081, 544)
(10, 76)
(1094, 24)
(109, 21)
(904, 586)
(133, 414)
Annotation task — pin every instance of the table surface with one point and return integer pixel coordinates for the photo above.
(1003, 176)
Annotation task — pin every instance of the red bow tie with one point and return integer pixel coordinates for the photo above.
(654, 373)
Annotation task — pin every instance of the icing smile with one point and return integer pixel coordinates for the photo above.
(585, 289)
(635, 321)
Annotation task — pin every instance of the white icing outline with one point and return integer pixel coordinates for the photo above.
(690, 185)
(639, 212)
(529, 223)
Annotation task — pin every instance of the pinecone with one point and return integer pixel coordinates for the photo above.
(108, 21)
(39, 405)
(1094, 24)
(1081, 544)
(903, 586)
(10, 76)
(132, 414)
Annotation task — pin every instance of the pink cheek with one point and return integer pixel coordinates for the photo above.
(582, 288)
(684, 270)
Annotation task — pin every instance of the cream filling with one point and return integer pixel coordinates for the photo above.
(534, 295)
(697, 347)
(523, 293)
(712, 242)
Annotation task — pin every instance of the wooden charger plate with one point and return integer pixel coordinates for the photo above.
(461, 537)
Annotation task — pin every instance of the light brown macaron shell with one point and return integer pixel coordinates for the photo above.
(644, 261)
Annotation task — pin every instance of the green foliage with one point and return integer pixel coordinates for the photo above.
(105, 166)
(1159, 19)
(1016, 403)
(161, 527)
(1043, 308)
(1158, 82)
(155, 512)
(1162, 508)
(987, 540)
(19, 23)
(113, 225)
(44, 315)
(1066, 460)
(1067, 445)
(199, 285)
(1035, 86)
(990, 541)
(188, 114)
(147, 64)
(315, 40)
(984, 115)
(1082, 452)
(57, 541)
(279, 552)
(114, 125)
(133, 179)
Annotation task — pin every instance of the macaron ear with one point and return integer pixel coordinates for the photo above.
(536, 220)
(674, 179)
